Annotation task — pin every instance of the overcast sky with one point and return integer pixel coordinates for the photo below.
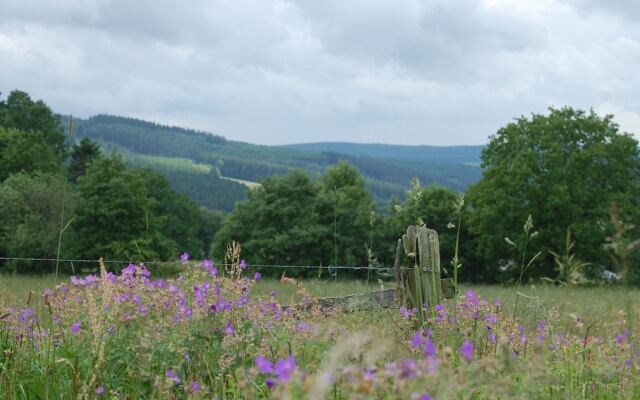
(272, 72)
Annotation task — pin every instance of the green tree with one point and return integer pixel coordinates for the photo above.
(277, 224)
(30, 207)
(26, 152)
(115, 215)
(210, 223)
(173, 214)
(344, 207)
(565, 169)
(82, 155)
(431, 205)
(22, 113)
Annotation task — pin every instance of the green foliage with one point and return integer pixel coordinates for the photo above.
(570, 269)
(30, 216)
(433, 205)
(277, 224)
(345, 204)
(293, 221)
(210, 224)
(26, 152)
(22, 113)
(385, 168)
(564, 168)
(132, 214)
(82, 155)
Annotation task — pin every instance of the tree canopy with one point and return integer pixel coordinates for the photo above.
(565, 169)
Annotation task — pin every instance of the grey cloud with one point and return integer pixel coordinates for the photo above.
(433, 72)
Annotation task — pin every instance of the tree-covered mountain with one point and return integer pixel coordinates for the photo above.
(199, 163)
(467, 155)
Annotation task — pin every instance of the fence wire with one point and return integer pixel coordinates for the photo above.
(177, 262)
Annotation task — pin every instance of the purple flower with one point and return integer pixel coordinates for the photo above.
(416, 340)
(129, 269)
(466, 349)
(405, 312)
(195, 386)
(229, 329)
(270, 382)
(75, 327)
(206, 264)
(429, 348)
(263, 364)
(243, 264)
(184, 257)
(100, 389)
(285, 368)
(424, 396)
(173, 375)
(273, 293)
(257, 276)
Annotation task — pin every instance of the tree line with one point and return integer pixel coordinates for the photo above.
(60, 199)
(572, 174)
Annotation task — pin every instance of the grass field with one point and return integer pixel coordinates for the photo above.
(206, 336)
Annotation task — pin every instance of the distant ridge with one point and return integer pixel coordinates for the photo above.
(469, 155)
(199, 163)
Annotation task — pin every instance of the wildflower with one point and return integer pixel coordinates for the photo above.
(273, 293)
(466, 349)
(173, 375)
(257, 276)
(405, 312)
(416, 340)
(243, 264)
(206, 264)
(270, 382)
(285, 368)
(195, 386)
(75, 327)
(428, 348)
(184, 257)
(129, 269)
(263, 364)
(229, 329)
(100, 389)
(423, 396)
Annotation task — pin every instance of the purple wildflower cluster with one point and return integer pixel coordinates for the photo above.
(281, 371)
(163, 313)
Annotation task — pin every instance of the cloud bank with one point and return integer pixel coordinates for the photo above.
(408, 72)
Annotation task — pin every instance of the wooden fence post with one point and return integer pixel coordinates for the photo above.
(421, 282)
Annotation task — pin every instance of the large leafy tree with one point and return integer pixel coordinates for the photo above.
(565, 169)
(26, 152)
(20, 112)
(277, 224)
(30, 216)
(115, 216)
(344, 206)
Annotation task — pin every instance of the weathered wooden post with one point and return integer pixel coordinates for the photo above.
(421, 283)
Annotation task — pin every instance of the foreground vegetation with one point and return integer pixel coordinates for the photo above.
(225, 333)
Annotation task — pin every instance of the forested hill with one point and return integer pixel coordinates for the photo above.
(467, 155)
(199, 163)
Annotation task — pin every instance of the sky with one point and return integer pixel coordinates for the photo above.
(437, 72)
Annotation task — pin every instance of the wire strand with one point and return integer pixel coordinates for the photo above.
(275, 266)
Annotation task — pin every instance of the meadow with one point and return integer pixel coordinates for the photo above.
(226, 333)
